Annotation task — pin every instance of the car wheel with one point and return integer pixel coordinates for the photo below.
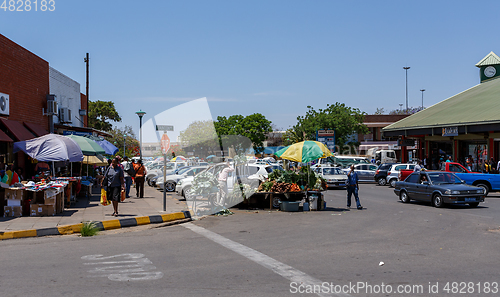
(149, 183)
(437, 201)
(392, 182)
(170, 186)
(485, 188)
(404, 197)
(276, 202)
(475, 204)
(381, 181)
(185, 192)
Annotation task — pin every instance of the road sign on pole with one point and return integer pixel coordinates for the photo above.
(165, 146)
(165, 143)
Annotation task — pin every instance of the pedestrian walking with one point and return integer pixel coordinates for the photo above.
(418, 167)
(127, 166)
(353, 188)
(140, 174)
(223, 183)
(114, 183)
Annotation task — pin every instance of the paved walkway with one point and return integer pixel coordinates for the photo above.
(91, 210)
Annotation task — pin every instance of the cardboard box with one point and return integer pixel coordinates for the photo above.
(48, 210)
(50, 200)
(12, 211)
(14, 202)
(14, 194)
(36, 210)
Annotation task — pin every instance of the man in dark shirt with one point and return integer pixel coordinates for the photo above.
(352, 188)
(115, 183)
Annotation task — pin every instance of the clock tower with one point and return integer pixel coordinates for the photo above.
(489, 67)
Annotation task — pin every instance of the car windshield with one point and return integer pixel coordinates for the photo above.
(332, 171)
(183, 170)
(444, 178)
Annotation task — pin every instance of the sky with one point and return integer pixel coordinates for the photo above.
(269, 57)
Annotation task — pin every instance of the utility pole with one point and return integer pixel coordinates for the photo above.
(86, 60)
(423, 90)
(406, 70)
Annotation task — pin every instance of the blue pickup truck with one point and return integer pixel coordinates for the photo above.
(489, 182)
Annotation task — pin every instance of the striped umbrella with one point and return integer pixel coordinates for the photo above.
(305, 151)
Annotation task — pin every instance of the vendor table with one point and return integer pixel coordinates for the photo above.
(290, 196)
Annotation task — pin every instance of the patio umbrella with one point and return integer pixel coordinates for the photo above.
(87, 145)
(210, 157)
(108, 147)
(50, 148)
(305, 151)
(95, 160)
(178, 159)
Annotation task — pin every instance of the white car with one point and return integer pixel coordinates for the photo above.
(171, 167)
(335, 177)
(393, 173)
(169, 183)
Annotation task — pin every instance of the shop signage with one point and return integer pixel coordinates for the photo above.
(164, 128)
(406, 142)
(76, 133)
(326, 137)
(450, 131)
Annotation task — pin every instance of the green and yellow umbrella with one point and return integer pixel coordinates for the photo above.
(305, 151)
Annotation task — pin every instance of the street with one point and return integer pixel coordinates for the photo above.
(425, 252)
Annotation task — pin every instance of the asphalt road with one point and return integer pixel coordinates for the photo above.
(262, 253)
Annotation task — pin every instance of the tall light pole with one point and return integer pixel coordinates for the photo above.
(124, 138)
(140, 113)
(406, 70)
(401, 106)
(423, 90)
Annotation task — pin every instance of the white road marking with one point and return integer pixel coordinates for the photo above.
(286, 271)
(138, 272)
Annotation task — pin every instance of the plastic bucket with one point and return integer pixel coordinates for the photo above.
(305, 206)
(289, 206)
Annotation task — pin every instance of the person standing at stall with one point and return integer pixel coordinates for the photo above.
(114, 183)
(353, 188)
(223, 183)
(140, 174)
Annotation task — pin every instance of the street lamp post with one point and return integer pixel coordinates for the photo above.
(423, 90)
(406, 70)
(401, 106)
(124, 139)
(140, 113)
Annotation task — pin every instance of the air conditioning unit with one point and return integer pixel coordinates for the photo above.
(4, 104)
(51, 107)
(65, 115)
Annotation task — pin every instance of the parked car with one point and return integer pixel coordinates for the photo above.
(346, 161)
(393, 173)
(366, 172)
(169, 182)
(439, 188)
(171, 167)
(152, 180)
(489, 182)
(335, 177)
(381, 173)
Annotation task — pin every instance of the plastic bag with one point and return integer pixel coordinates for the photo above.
(123, 196)
(104, 201)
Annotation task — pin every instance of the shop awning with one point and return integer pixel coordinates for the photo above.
(37, 129)
(4, 137)
(475, 106)
(18, 130)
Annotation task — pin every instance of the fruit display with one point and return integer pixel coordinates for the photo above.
(284, 181)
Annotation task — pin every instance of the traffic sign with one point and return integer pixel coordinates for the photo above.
(165, 143)
(164, 128)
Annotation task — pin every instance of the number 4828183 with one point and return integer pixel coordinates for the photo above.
(28, 5)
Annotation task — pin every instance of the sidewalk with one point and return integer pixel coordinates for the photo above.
(91, 210)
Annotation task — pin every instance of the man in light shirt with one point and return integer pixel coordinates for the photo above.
(223, 183)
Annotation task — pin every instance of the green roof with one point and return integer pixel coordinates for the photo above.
(490, 59)
(477, 105)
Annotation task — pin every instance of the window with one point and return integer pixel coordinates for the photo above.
(456, 168)
(373, 167)
(391, 155)
(399, 167)
(253, 170)
(412, 178)
(412, 167)
(269, 169)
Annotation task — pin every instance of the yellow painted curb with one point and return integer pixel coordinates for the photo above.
(70, 229)
(24, 233)
(7, 235)
(173, 216)
(111, 224)
(142, 220)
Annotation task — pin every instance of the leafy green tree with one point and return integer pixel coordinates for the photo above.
(100, 113)
(201, 137)
(131, 143)
(343, 119)
(254, 127)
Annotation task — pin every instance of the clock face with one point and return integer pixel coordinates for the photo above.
(490, 71)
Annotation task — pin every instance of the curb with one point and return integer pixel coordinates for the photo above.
(104, 225)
